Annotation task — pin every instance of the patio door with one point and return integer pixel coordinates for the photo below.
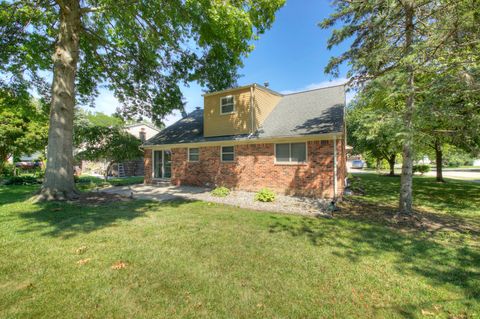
(162, 164)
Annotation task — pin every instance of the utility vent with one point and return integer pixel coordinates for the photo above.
(266, 84)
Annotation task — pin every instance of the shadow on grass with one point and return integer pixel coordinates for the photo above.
(454, 196)
(67, 220)
(439, 263)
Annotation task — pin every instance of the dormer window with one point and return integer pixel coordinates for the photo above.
(227, 105)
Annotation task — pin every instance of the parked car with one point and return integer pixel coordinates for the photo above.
(358, 164)
(28, 165)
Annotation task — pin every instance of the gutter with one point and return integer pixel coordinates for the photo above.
(252, 116)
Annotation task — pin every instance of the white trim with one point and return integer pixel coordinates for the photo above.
(226, 97)
(163, 165)
(221, 153)
(278, 139)
(188, 155)
(290, 162)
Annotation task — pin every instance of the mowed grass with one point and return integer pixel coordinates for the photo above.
(201, 260)
(455, 197)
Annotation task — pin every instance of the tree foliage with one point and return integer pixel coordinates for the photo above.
(141, 50)
(374, 124)
(110, 144)
(404, 40)
(23, 123)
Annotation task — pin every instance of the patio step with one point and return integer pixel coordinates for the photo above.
(161, 183)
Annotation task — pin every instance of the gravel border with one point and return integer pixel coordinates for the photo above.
(305, 206)
(284, 204)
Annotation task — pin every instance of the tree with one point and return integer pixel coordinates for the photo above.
(402, 39)
(23, 123)
(373, 124)
(111, 144)
(142, 50)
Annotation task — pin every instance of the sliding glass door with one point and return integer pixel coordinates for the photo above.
(162, 164)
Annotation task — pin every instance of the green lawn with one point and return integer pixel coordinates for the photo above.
(201, 260)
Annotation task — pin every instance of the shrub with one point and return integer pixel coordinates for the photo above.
(265, 195)
(220, 191)
(22, 180)
(7, 170)
(421, 168)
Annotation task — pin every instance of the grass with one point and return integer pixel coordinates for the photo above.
(200, 260)
(86, 182)
(455, 197)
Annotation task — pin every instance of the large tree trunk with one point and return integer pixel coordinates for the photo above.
(439, 161)
(406, 181)
(59, 183)
(391, 163)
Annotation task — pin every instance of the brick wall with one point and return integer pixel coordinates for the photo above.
(254, 168)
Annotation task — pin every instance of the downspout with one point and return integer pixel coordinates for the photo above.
(252, 116)
(334, 167)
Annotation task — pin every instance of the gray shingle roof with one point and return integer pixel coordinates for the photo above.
(319, 111)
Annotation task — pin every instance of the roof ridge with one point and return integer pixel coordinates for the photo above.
(321, 88)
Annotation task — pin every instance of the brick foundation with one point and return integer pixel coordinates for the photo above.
(254, 168)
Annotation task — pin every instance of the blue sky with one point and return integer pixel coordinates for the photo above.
(291, 56)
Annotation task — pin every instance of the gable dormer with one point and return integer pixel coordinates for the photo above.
(237, 111)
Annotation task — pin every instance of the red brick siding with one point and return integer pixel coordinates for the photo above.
(254, 168)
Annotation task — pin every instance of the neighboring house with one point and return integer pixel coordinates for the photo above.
(251, 137)
(142, 131)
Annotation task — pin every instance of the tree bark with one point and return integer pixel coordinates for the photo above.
(391, 163)
(109, 166)
(59, 182)
(439, 161)
(406, 181)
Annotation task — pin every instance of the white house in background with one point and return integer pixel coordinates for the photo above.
(476, 162)
(143, 131)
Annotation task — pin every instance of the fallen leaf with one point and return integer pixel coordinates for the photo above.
(81, 250)
(119, 265)
(427, 313)
(84, 261)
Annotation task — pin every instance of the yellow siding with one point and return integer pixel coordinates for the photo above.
(264, 103)
(239, 122)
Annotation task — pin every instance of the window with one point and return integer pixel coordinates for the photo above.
(227, 105)
(291, 153)
(193, 154)
(228, 154)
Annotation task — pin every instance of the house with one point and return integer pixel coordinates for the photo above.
(251, 137)
(142, 131)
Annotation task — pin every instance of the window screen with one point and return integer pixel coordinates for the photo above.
(298, 152)
(291, 152)
(193, 154)
(228, 154)
(227, 104)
